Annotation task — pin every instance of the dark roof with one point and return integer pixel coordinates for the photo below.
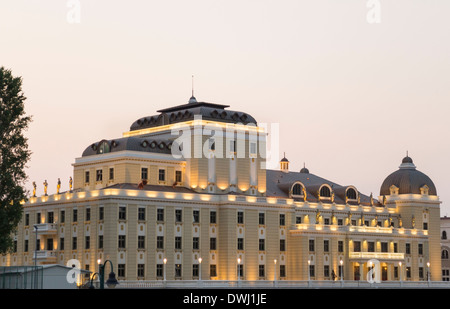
(278, 184)
(186, 112)
(132, 186)
(408, 179)
(130, 143)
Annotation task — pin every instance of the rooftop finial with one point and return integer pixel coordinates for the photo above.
(192, 99)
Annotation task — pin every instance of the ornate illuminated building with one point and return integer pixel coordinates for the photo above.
(154, 214)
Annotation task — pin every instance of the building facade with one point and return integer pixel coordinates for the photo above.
(445, 247)
(185, 194)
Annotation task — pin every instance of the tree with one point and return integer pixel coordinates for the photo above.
(14, 155)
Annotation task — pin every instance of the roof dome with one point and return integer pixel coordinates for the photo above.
(408, 180)
(304, 170)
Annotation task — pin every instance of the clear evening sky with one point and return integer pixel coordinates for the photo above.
(351, 97)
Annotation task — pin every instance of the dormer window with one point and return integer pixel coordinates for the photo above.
(297, 190)
(424, 190)
(351, 194)
(393, 190)
(325, 191)
(103, 147)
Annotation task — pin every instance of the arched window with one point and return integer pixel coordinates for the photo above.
(444, 235)
(444, 254)
(297, 189)
(325, 192)
(351, 194)
(103, 147)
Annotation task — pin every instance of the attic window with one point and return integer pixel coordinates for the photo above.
(297, 189)
(103, 147)
(351, 194)
(325, 192)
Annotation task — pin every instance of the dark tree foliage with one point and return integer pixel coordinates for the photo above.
(14, 155)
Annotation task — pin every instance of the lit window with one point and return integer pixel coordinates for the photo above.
(325, 192)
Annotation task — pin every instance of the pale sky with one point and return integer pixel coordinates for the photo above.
(351, 97)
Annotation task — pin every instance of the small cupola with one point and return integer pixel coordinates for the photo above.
(284, 164)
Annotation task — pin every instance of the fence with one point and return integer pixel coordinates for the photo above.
(245, 284)
(21, 277)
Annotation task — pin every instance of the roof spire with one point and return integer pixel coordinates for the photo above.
(192, 99)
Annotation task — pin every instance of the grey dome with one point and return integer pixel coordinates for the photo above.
(408, 179)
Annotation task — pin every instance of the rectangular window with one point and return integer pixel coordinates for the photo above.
(312, 271)
(159, 242)
(122, 213)
(86, 177)
(38, 218)
(262, 245)
(111, 173)
(261, 218)
(140, 270)
(121, 270)
(421, 273)
(240, 243)
(195, 270)
(88, 214)
(326, 271)
(326, 221)
(212, 243)
(61, 243)
(262, 271)
(282, 244)
(162, 175)
(420, 249)
(212, 217)
(75, 215)
(212, 270)
(159, 270)
(141, 214)
(241, 270)
(160, 214)
(356, 246)
(196, 216)
(196, 243)
(282, 271)
(395, 272)
(122, 242)
(27, 219)
(87, 242)
(177, 270)
(340, 222)
(311, 245)
(408, 272)
(408, 248)
(144, 173)
(178, 242)
(298, 220)
(50, 217)
(99, 175)
(425, 225)
(141, 242)
(62, 216)
(25, 246)
(282, 219)
(178, 177)
(340, 246)
(240, 217)
(100, 241)
(384, 247)
(395, 247)
(101, 213)
(178, 215)
(326, 246)
(371, 246)
(74, 243)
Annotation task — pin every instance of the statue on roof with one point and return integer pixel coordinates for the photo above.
(58, 186)
(45, 187)
(34, 188)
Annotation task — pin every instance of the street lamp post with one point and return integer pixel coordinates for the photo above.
(342, 270)
(200, 269)
(35, 257)
(428, 273)
(401, 270)
(164, 270)
(275, 272)
(112, 281)
(309, 272)
(239, 271)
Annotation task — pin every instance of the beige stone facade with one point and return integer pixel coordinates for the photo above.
(227, 212)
